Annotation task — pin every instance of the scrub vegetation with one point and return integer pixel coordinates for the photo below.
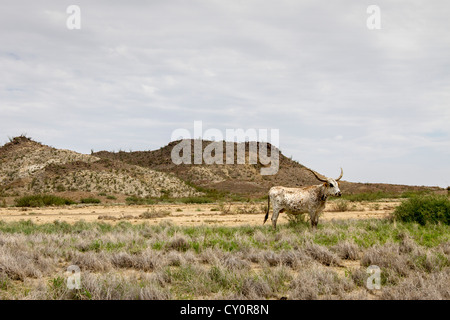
(165, 261)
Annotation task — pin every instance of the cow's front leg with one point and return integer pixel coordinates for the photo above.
(316, 222)
(314, 216)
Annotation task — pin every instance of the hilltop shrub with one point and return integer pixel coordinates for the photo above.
(424, 209)
(42, 201)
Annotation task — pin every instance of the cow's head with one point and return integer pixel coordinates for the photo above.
(331, 185)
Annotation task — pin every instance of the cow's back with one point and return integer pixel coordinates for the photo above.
(294, 199)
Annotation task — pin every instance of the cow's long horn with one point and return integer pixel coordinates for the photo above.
(317, 175)
(342, 173)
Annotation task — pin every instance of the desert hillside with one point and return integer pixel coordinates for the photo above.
(241, 178)
(28, 167)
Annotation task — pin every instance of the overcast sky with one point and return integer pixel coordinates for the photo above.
(375, 102)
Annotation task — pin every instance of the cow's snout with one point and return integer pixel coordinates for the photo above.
(339, 194)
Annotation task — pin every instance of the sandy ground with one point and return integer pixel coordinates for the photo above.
(185, 214)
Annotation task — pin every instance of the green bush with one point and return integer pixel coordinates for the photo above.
(41, 201)
(90, 200)
(296, 220)
(424, 209)
(139, 200)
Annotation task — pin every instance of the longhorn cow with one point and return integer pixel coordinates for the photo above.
(309, 199)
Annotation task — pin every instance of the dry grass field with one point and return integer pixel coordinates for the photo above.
(223, 213)
(219, 251)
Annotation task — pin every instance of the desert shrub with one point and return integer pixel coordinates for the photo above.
(150, 214)
(340, 206)
(93, 261)
(111, 197)
(119, 287)
(373, 196)
(179, 243)
(255, 288)
(411, 194)
(424, 209)
(346, 250)
(41, 201)
(317, 282)
(225, 209)
(196, 200)
(295, 220)
(294, 258)
(369, 196)
(139, 200)
(122, 260)
(393, 265)
(419, 286)
(233, 263)
(90, 200)
(322, 254)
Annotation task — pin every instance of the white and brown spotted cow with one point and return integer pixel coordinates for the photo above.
(310, 199)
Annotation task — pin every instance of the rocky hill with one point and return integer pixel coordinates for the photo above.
(240, 178)
(29, 167)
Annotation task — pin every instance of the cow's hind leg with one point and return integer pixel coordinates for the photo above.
(276, 212)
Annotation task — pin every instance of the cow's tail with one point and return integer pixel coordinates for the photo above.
(268, 208)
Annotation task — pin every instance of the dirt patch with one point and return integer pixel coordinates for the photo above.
(180, 214)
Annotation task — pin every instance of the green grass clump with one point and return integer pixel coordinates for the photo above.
(369, 196)
(373, 196)
(42, 201)
(90, 200)
(196, 200)
(297, 220)
(424, 209)
(138, 200)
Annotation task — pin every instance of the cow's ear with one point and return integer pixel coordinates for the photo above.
(325, 184)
